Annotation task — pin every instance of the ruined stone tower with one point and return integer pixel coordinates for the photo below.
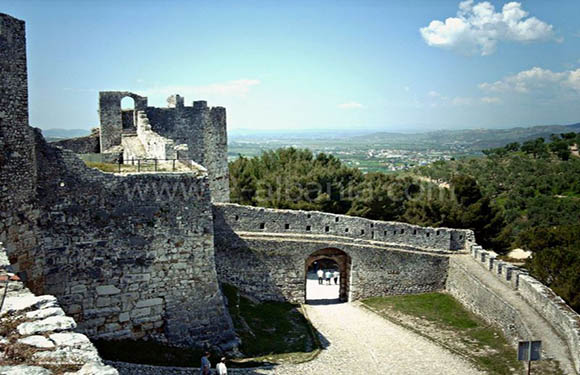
(194, 132)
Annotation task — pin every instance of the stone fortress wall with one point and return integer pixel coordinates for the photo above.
(561, 317)
(253, 219)
(128, 256)
(17, 165)
(89, 144)
(264, 252)
(45, 328)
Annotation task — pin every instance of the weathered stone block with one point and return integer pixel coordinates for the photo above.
(149, 302)
(107, 290)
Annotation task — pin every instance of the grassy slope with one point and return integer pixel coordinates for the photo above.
(441, 318)
(271, 331)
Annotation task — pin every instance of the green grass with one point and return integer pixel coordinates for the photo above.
(271, 331)
(470, 336)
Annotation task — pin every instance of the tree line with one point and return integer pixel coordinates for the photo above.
(521, 195)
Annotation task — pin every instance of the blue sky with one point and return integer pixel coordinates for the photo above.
(390, 65)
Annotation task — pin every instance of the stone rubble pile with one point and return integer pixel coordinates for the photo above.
(38, 329)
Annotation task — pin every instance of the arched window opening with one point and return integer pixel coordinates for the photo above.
(128, 113)
(128, 103)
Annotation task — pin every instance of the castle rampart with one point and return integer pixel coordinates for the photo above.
(263, 220)
(129, 256)
(564, 320)
(264, 252)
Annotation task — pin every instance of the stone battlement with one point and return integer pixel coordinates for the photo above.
(561, 317)
(263, 220)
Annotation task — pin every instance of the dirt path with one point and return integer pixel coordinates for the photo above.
(360, 342)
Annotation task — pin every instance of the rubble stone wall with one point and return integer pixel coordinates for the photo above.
(564, 320)
(17, 164)
(43, 331)
(128, 256)
(270, 264)
(81, 145)
(263, 220)
(156, 146)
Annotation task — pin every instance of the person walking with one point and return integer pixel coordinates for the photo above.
(328, 276)
(205, 368)
(221, 368)
(336, 275)
(320, 274)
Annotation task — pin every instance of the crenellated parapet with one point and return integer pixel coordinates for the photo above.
(295, 222)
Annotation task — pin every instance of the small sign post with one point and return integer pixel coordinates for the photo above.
(529, 351)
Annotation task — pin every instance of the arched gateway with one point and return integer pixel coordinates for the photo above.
(328, 259)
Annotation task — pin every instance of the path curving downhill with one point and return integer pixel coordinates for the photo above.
(361, 342)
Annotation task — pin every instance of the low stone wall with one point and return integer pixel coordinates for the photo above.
(484, 302)
(81, 145)
(263, 220)
(273, 266)
(564, 320)
(552, 307)
(43, 332)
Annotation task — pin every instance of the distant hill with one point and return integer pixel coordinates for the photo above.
(476, 139)
(57, 134)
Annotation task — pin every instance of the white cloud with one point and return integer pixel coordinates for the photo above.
(236, 88)
(350, 105)
(461, 101)
(490, 100)
(433, 94)
(406, 88)
(478, 28)
(535, 80)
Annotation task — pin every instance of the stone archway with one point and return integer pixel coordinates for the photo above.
(342, 261)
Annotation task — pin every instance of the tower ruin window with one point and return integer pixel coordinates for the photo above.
(346, 230)
(362, 231)
(262, 225)
(327, 228)
(128, 113)
(308, 228)
(286, 226)
(128, 103)
(336, 219)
